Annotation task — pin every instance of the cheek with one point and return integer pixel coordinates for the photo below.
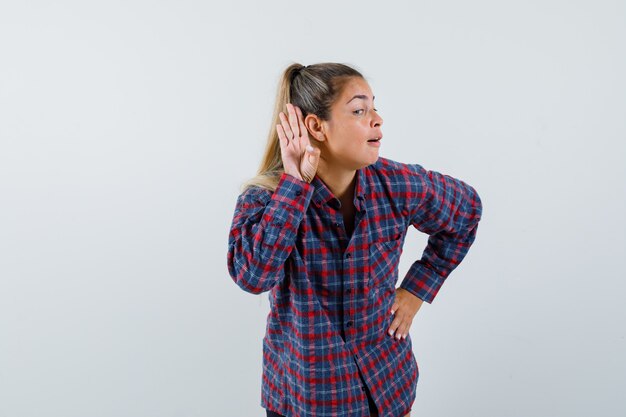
(351, 145)
(347, 140)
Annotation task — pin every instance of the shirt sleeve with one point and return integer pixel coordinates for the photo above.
(263, 232)
(448, 210)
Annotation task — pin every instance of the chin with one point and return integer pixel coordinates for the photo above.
(370, 161)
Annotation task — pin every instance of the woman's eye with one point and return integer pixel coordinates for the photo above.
(357, 111)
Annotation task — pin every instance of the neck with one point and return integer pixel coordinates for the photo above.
(340, 180)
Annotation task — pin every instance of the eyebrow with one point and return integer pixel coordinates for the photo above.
(361, 96)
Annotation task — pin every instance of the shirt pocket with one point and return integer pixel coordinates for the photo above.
(384, 257)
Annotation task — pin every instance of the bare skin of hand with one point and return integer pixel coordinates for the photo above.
(300, 158)
(405, 307)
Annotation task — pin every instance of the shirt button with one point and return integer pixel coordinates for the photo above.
(350, 323)
(348, 290)
(298, 192)
(362, 387)
(337, 224)
(348, 255)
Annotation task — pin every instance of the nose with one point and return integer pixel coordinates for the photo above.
(377, 120)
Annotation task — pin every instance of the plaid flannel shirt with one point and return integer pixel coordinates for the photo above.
(331, 294)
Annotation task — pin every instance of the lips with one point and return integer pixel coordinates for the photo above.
(374, 140)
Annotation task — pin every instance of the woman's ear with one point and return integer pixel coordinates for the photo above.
(315, 127)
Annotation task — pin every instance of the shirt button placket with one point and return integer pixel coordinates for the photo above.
(348, 290)
(350, 322)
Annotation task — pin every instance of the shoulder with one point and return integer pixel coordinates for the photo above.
(388, 166)
(253, 195)
(394, 172)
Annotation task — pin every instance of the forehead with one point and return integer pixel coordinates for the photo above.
(355, 86)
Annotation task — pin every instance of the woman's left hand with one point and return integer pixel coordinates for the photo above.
(404, 307)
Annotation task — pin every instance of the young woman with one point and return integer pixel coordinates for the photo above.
(321, 227)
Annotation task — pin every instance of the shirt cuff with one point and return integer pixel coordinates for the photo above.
(422, 281)
(289, 203)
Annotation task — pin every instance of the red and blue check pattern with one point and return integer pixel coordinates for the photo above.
(331, 294)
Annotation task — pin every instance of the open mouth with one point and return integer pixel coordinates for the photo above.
(373, 140)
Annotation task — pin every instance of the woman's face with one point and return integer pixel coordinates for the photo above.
(353, 121)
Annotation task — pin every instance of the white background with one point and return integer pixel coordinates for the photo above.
(127, 127)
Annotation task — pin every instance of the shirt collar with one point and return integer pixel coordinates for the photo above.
(323, 194)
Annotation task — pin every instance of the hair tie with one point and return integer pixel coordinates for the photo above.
(298, 70)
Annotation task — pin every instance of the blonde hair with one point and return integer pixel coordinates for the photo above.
(313, 88)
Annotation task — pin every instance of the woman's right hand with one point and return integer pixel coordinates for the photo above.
(300, 158)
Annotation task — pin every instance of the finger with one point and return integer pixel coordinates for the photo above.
(405, 331)
(293, 120)
(314, 157)
(401, 331)
(281, 136)
(288, 133)
(393, 328)
(301, 124)
(394, 307)
(406, 326)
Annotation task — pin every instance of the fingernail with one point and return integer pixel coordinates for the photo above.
(309, 148)
(391, 332)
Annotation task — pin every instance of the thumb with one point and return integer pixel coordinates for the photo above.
(314, 154)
